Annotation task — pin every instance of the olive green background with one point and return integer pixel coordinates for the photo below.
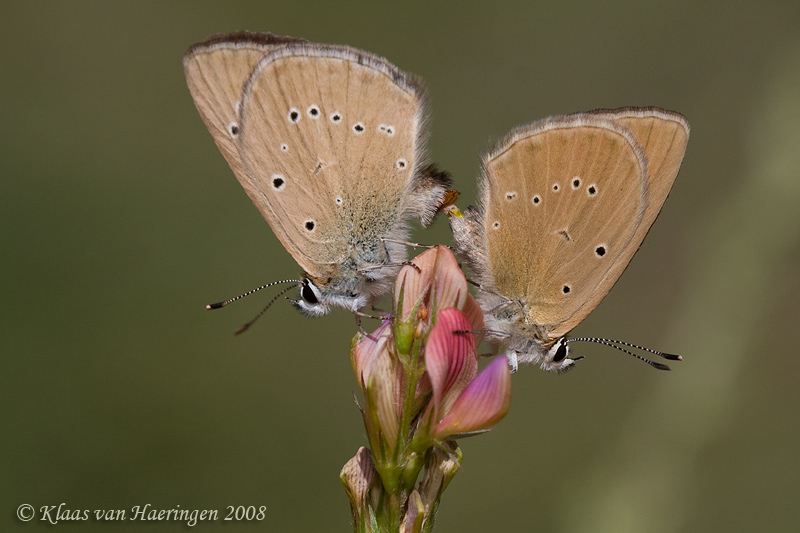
(120, 220)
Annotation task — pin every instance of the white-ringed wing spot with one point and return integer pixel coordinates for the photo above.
(278, 182)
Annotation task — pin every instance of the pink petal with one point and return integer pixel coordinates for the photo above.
(483, 403)
(414, 283)
(474, 313)
(450, 285)
(450, 358)
(379, 375)
(438, 268)
(364, 354)
(381, 394)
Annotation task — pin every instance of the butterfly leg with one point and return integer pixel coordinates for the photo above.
(383, 315)
(358, 324)
(364, 270)
(384, 240)
(513, 362)
(411, 264)
(359, 315)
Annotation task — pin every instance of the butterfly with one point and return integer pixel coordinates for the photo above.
(327, 141)
(565, 202)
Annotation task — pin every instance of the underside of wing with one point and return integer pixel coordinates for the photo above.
(216, 71)
(562, 200)
(663, 135)
(330, 137)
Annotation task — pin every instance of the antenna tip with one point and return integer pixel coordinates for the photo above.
(659, 366)
(672, 357)
(217, 305)
(242, 329)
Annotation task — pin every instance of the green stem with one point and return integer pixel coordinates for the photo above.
(395, 483)
(412, 378)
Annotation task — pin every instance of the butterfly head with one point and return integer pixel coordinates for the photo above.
(317, 297)
(557, 358)
(311, 301)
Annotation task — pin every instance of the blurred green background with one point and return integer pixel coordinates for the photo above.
(120, 220)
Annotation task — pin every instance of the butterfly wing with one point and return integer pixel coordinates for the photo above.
(663, 135)
(216, 70)
(562, 201)
(331, 137)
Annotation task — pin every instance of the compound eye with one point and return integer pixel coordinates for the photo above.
(308, 294)
(561, 353)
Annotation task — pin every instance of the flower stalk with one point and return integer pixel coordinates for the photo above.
(418, 373)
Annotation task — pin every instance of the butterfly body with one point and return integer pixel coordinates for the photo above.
(351, 282)
(565, 204)
(327, 141)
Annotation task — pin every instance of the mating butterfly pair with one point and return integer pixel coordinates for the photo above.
(328, 143)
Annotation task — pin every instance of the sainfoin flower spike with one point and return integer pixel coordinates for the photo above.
(418, 373)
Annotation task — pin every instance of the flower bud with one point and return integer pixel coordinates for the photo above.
(437, 280)
(359, 479)
(440, 469)
(364, 352)
(415, 514)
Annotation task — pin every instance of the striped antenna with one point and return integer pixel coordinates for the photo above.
(614, 343)
(219, 305)
(246, 326)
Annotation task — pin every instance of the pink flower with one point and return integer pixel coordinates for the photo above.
(450, 358)
(462, 402)
(365, 352)
(380, 377)
(424, 361)
(436, 282)
(422, 390)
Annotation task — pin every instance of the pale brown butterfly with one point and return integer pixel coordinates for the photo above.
(327, 141)
(565, 203)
